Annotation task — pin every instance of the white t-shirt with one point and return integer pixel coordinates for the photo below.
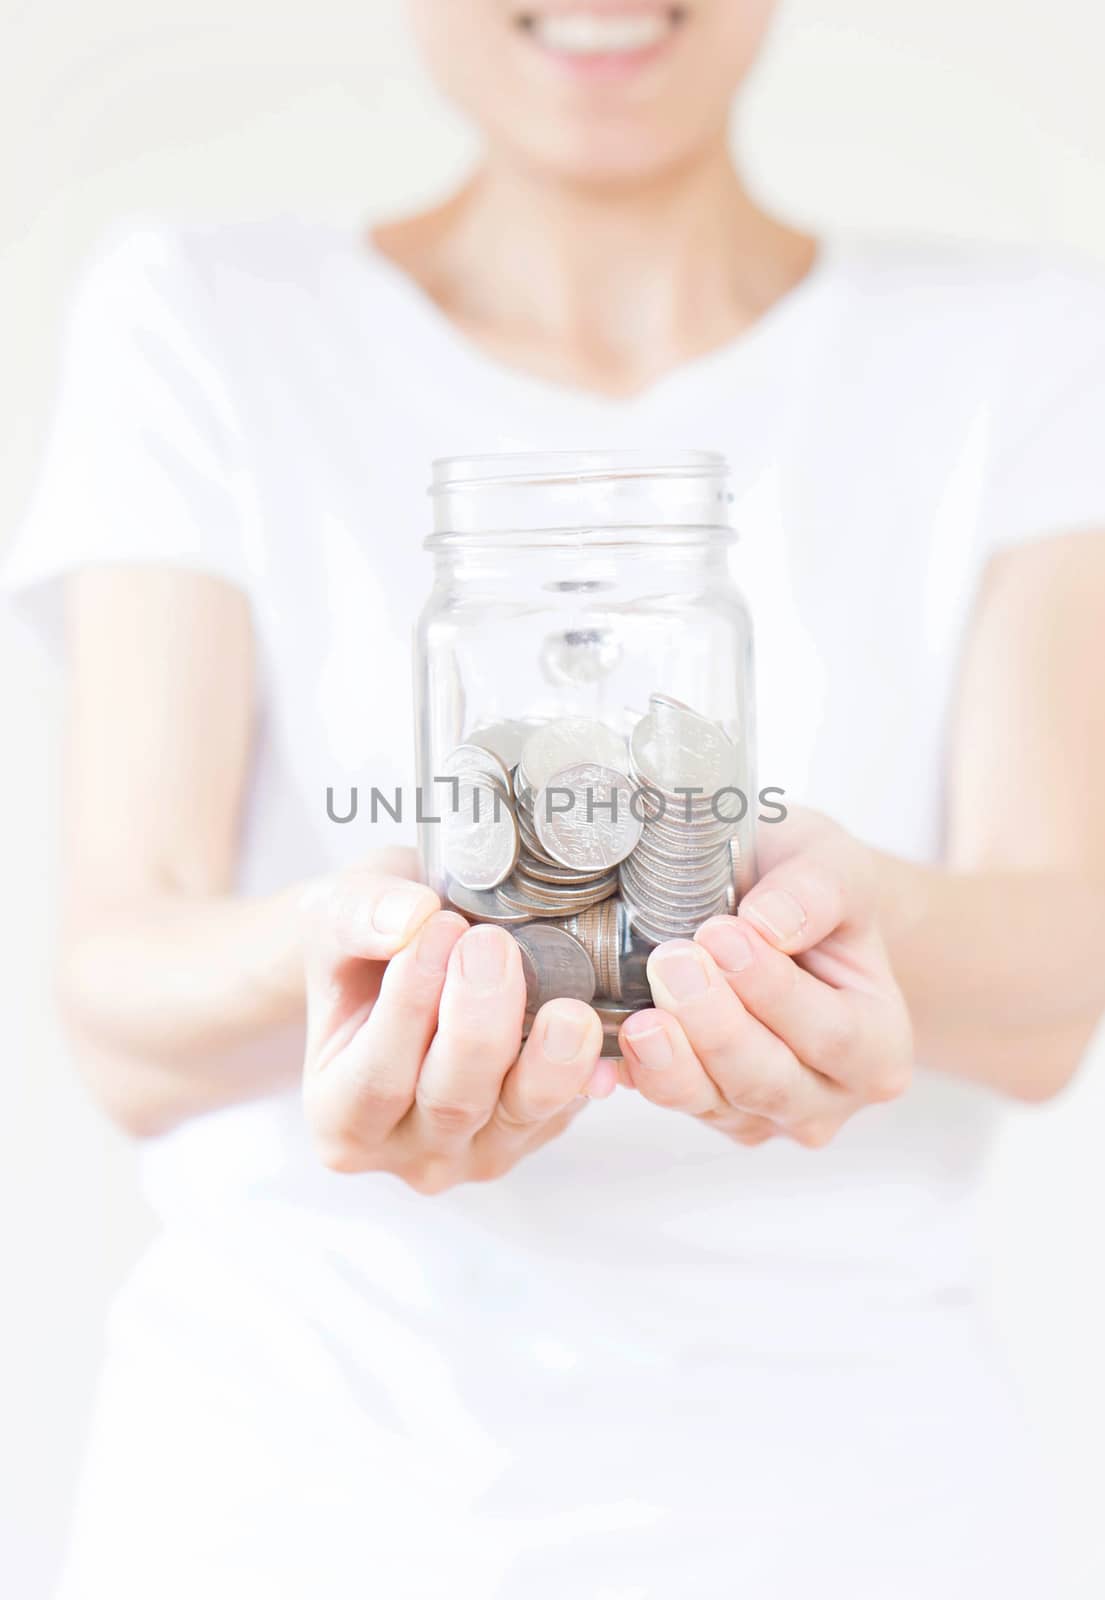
(648, 1362)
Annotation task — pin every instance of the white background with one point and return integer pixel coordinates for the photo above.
(976, 117)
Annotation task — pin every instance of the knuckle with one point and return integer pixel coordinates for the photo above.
(389, 1104)
(450, 1117)
(379, 1100)
(515, 1119)
(766, 1095)
(836, 1041)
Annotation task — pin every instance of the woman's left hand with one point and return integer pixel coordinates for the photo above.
(785, 1019)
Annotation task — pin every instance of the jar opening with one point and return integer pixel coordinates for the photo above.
(566, 492)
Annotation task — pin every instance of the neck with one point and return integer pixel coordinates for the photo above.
(604, 286)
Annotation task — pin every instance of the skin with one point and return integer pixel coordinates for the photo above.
(604, 239)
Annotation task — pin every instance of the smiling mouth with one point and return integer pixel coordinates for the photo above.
(605, 35)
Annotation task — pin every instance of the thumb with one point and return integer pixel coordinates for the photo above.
(820, 890)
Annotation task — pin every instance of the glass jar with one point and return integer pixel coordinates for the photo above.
(585, 711)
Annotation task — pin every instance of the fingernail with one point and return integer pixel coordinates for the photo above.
(436, 941)
(402, 908)
(777, 912)
(483, 957)
(677, 969)
(602, 1082)
(648, 1040)
(729, 945)
(565, 1032)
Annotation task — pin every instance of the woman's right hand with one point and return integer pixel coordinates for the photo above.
(414, 1027)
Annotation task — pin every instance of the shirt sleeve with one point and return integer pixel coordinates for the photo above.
(1049, 466)
(143, 462)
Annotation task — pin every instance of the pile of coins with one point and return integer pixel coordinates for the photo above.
(685, 864)
(593, 847)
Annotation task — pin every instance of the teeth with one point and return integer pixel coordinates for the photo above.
(588, 33)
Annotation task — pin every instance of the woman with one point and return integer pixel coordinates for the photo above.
(715, 1334)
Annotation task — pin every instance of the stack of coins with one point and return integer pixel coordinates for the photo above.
(602, 932)
(589, 847)
(481, 833)
(687, 772)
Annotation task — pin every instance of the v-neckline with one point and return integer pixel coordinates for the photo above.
(433, 334)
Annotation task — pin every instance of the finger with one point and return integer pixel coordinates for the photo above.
(363, 914)
(753, 1069)
(352, 921)
(357, 1094)
(477, 1041)
(559, 1063)
(858, 1040)
(807, 896)
(663, 1067)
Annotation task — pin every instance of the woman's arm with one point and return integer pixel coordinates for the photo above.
(1002, 954)
(181, 997)
(843, 964)
(178, 996)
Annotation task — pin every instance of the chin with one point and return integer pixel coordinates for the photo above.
(601, 157)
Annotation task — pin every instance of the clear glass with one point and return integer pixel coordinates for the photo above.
(585, 711)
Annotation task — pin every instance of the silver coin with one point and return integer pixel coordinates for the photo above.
(607, 940)
(482, 905)
(480, 837)
(555, 964)
(658, 928)
(655, 935)
(599, 931)
(552, 872)
(473, 761)
(523, 795)
(679, 895)
(565, 743)
(612, 1018)
(674, 750)
(677, 876)
(530, 842)
(664, 909)
(742, 851)
(558, 901)
(722, 809)
(672, 891)
(504, 740)
(684, 854)
(667, 702)
(705, 880)
(599, 828)
(559, 896)
(535, 901)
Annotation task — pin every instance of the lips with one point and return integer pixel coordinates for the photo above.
(584, 34)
